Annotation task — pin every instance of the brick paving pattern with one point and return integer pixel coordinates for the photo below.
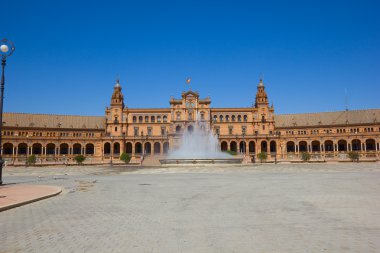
(269, 208)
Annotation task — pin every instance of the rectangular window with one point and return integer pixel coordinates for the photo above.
(136, 131)
(149, 131)
(243, 130)
(163, 131)
(158, 119)
(230, 130)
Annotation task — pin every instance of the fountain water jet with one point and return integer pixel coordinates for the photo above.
(199, 145)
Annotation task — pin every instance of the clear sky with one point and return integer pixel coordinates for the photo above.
(69, 53)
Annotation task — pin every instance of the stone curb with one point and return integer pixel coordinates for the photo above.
(21, 203)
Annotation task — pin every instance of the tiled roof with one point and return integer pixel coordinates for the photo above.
(328, 118)
(53, 121)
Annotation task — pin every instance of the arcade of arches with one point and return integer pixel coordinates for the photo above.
(153, 132)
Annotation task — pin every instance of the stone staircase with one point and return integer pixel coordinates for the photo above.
(152, 160)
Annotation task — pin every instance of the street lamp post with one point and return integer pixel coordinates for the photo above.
(111, 149)
(6, 49)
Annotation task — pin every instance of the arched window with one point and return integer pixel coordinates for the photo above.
(152, 119)
(146, 119)
(140, 119)
(178, 129)
(221, 118)
(215, 118)
(165, 118)
(245, 118)
(227, 118)
(239, 118)
(233, 118)
(134, 119)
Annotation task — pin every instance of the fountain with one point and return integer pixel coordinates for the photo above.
(199, 145)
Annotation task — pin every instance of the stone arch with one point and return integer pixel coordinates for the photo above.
(290, 147)
(157, 148)
(224, 146)
(147, 148)
(64, 149)
(166, 147)
(273, 147)
(233, 146)
(264, 146)
(90, 149)
(302, 146)
(37, 149)
(107, 148)
(77, 149)
(7, 148)
(315, 146)
(22, 149)
(242, 147)
(252, 147)
(329, 146)
(342, 145)
(50, 149)
(370, 145)
(356, 145)
(138, 148)
(128, 148)
(116, 148)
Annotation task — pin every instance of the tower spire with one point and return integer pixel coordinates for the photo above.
(261, 95)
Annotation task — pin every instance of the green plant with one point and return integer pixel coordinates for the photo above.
(31, 160)
(305, 156)
(80, 159)
(231, 152)
(354, 156)
(125, 157)
(262, 156)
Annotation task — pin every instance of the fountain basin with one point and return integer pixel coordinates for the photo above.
(195, 161)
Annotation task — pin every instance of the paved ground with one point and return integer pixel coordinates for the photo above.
(271, 208)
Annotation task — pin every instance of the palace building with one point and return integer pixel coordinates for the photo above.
(154, 131)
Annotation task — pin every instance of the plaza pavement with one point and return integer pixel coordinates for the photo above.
(256, 208)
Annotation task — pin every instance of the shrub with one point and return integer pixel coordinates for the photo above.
(305, 156)
(125, 157)
(31, 160)
(80, 159)
(231, 152)
(262, 156)
(354, 156)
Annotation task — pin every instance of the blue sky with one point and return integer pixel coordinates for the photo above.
(69, 53)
